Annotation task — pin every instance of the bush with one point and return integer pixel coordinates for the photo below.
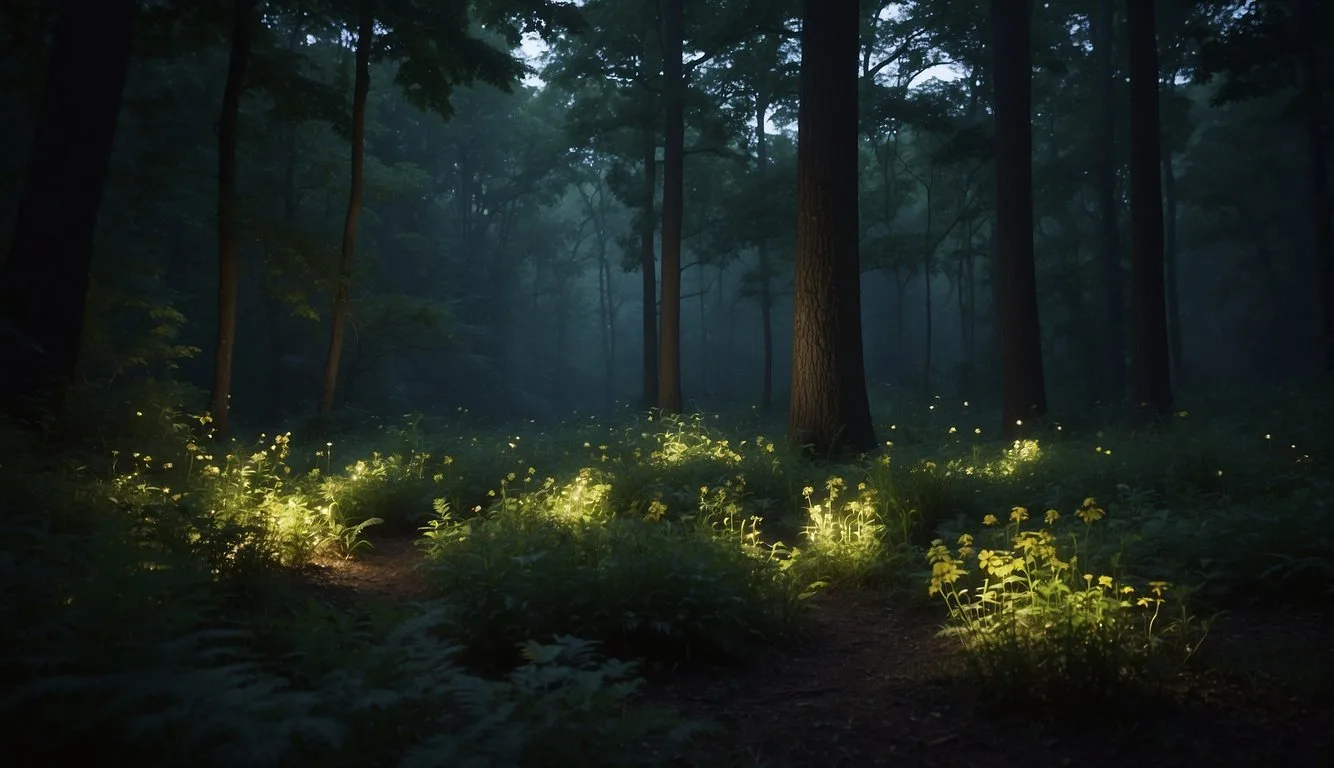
(545, 566)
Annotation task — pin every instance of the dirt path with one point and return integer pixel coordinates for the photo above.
(387, 570)
(871, 685)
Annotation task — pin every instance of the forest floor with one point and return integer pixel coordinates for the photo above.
(871, 684)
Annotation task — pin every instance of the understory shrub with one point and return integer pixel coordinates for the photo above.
(139, 654)
(662, 590)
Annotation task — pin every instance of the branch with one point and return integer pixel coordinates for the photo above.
(894, 56)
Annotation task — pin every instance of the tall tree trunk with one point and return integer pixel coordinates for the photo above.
(673, 203)
(829, 407)
(1108, 209)
(647, 267)
(228, 258)
(1023, 390)
(1170, 254)
(1321, 198)
(1150, 364)
(342, 295)
(604, 309)
(766, 293)
(44, 278)
(927, 309)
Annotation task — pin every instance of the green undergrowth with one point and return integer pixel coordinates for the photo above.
(560, 561)
(1041, 624)
(145, 649)
(154, 611)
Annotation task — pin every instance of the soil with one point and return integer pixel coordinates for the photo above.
(871, 684)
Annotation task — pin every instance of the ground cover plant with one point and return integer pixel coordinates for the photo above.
(166, 597)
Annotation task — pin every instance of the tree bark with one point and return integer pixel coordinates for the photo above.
(228, 258)
(766, 293)
(1170, 255)
(1150, 359)
(342, 294)
(673, 203)
(647, 266)
(1321, 198)
(44, 278)
(829, 408)
(1108, 209)
(1023, 390)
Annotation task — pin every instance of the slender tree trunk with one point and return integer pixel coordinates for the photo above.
(829, 407)
(701, 350)
(673, 202)
(1150, 363)
(1023, 390)
(44, 278)
(927, 310)
(646, 268)
(1108, 209)
(1321, 198)
(1322, 209)
(360, 88)
(766, 292)
(228, 257)
(605, 311)
(1170, 255)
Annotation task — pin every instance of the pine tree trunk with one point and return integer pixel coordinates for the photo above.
(1108, 209)
(829, 408)
(342, 295)
(44, 278)
(1150, 363)
(1023, 391)
(673, 203)
(228, 257)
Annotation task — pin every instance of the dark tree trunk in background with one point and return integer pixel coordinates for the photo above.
(1108, 208)
(646, 268)
(766, 293)
(927, 311)
(44, 278)
(673, 203)
(829, 408)
(1170, 254)
(1322, 202)
(360, 88)
(228, 258)
(1023, 390)
(1150, 363)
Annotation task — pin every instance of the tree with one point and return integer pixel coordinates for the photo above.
(228, 129)
(673, 202)
(360, 88)
(1265, 48)
(1150, 360)
(435, 51)
(44, 279)
(1109, 240)
(829, 407)
(1023, 391)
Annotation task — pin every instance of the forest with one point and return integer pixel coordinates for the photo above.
(667, 382)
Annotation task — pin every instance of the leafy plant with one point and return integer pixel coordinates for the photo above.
(1034, 625)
